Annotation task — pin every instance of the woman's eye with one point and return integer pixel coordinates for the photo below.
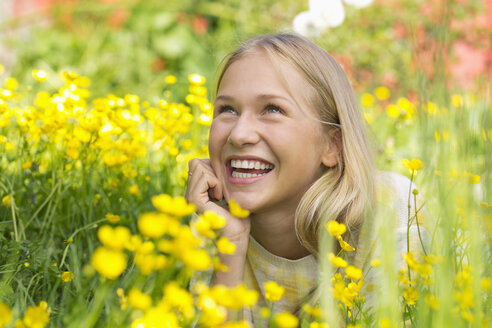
(227, 109)
(273, 109)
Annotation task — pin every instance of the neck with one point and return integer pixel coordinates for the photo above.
(276, 233)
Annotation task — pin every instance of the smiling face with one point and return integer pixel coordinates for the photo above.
(265, 145)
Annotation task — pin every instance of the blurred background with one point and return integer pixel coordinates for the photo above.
(69, 161)
(129, 46)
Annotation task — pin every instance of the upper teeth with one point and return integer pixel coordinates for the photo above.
(245, 164)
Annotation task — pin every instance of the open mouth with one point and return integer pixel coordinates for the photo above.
(244, 169)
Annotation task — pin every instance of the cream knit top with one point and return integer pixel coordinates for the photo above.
(300, 277)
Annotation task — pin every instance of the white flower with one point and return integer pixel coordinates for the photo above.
(308, 24)
(330, 11)
(323, 14)
(358, 3)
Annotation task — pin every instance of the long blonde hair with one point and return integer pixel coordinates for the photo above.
(344, 192)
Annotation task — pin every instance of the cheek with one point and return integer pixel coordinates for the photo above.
(303, 142)
(216, 140)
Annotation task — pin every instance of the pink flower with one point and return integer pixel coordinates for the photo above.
(470, 63)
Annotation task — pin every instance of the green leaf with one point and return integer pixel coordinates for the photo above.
(174, 44)
(6, 292)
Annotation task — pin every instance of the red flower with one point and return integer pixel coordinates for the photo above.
(158, 64)
(199, 25)
(117, 18)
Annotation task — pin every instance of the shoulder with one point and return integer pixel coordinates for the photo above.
(393, 186)
(397, 180)
(395, 191)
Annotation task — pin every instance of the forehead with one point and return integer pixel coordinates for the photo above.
(263, 73)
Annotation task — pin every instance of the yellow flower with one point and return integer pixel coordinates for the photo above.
(237, 324)
(467, 316)
(413, 165)
(9, 145)
(7, 201)
(112, 218)
(123, 299)
(170, 79)
(177, 206)
(382, 93)
(273, 291)
(376, 263)
(243, 297)
(202, 226)
(475, 178)
(139, 300)
(133, 189)
(214, 220)
(411, 295)
(153, 224)
(27, 165)
(367, 100)
(393, 111)
(337, 262)
(159, 317)
(237, 211)
(225, 246)
(265, 312)
(196, 79)
(197, 259)
(353, 272)
(67, 276)
(410, 260)
(457, 100)
(35, 316)
(318, 325)
(11, 84)
(344, 245)
(385, 323)
(486, 284)
(147, 263)
(179, 298)
(336, 229)
(108, 262)
(114, 238)
(432, 301)
(431, 258)
(313, 311)
(39, 75)
(432, 108)
(286, 320)
(217, 265)
(5, 315)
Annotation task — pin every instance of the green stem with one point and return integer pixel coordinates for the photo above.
(418, 226)
(90, 225)
(408, 222)
(44, 203)
(14, 219)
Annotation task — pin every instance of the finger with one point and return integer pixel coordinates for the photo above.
(199, 189)
(216, 192)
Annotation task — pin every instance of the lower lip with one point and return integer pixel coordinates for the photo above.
(244, 181)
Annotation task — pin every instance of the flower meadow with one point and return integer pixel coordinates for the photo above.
(95, 231)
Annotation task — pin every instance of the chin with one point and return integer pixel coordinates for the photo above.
(245, 200)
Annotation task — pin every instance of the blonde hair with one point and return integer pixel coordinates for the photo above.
(343, 192)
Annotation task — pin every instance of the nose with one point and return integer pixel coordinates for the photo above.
(245, 131)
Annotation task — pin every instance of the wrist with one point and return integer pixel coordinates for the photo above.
(241, 241)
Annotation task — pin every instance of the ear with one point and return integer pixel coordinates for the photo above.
(333, 148)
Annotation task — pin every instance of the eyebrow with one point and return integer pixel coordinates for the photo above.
(259, 97)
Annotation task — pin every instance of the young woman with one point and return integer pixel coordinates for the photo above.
(287, 143)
